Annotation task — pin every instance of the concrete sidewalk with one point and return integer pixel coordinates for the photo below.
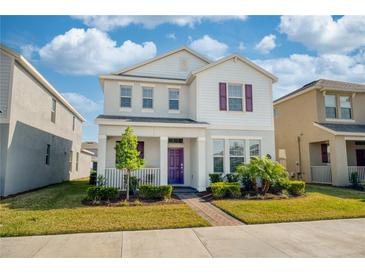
(336, 238)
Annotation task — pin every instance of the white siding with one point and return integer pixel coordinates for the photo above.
(235, 72)
(170, 66)
(192, 100)
(5, 71)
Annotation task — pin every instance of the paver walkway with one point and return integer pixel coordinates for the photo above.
(214, 215)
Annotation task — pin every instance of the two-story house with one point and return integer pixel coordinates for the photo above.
(192, 116)
(320, 130)
(40, 132)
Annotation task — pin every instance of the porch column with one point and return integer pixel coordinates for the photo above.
(201, 168)
(101, 155)
(339, 169)
(163, 160)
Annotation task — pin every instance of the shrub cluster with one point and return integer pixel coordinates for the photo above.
(155, 192)
(102, 193)
(226, 189)
(215, 177)
(92, 178)
(295, 188)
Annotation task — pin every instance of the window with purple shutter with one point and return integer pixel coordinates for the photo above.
(324, 152)
(248, 95)
(140, 148)
(222, 96)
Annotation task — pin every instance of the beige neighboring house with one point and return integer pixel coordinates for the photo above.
(40, 132)
(92, 147)
(320, 130)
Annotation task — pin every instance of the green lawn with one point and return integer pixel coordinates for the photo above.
(320, 202)
(57, 209)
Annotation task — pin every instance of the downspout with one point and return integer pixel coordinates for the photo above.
(299, 174)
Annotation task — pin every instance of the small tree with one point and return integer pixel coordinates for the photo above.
(127, 155)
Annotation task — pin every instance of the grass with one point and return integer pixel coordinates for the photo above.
(320, 203)
(57, 209)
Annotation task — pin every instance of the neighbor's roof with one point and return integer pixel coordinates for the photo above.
(342, 129)
(28, 66)
(323, 84)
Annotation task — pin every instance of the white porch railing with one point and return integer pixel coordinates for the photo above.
(147, 176)
(321, 174)
(360, 171)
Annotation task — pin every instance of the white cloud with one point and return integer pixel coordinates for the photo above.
(81, 103)
(28, 51)
(108, 23)
(209, 47)
(171, 36)
(241, 46)
(91, 51)
(267, 44)
(324, 34)
(299, 69)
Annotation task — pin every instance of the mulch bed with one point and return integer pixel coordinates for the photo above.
(208, 197)
(133, 201)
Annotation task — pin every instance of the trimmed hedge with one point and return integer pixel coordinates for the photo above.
(102, 193)
(295, 188)
(155, 192)
(225, 189)
(215, 177)
(232, 177)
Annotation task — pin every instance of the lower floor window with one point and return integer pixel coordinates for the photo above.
(236, 154)
(218, 156)
(254, 148)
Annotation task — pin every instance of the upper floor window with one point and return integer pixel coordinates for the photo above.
(345, 107)
(174, 95)
(218, 156)
(73, 123)
(147, 97)
(331, 106)
(53, 110)
(236, 153)
(235, 99)
(126, 96)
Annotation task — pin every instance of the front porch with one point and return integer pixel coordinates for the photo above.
(333, 161)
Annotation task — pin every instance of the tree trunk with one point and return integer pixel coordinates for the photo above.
(265, 187)
(128, 178)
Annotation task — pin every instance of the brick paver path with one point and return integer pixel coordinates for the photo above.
(212, 214)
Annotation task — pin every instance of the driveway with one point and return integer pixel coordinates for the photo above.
(335, 238)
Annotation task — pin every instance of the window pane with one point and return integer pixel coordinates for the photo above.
(345, 102)
(254, 148)
(330, 112)
(235, 104)
(234, 90)
(218, 147)
(346, 113)
(236, 148)
(147, 103)
(54, 104)
(148, 92)
(173, 104)
(330, 100)
(218, 164)
(173, 94)
(235, 161)
(126, 91)
(125, 102)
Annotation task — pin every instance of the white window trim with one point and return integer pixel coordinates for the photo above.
(153, 98)
(243, 98)
(179, 100)
(338, 108)
(340, 120)
(125, 109)
(223, 156)
(245, 142)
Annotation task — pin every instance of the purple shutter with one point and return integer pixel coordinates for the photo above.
(324, 153)
(222, 96)
(248, 95)
(140, 148)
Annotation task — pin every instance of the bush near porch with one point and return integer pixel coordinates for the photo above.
(57, 209)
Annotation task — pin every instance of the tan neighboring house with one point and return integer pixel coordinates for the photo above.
(320, 130)
(40, 132)
(92, 147)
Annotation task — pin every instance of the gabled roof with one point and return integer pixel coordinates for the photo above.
(342, 129)
(323, 84)
(30, 69)
(242, 59)
(163, 56)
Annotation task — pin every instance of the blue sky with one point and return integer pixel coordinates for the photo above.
(72, 51)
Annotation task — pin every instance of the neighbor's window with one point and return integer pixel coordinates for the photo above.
(53, 110)
(70, 161)
(73, 123)
(48, 154)
(235, 97)
(345, 107)
(147, 100)
(325, 153)
(236, 153)
(174, 95)
(254, 148)
(331, 106)
(77, 161)
(218, 156)
(126, 96)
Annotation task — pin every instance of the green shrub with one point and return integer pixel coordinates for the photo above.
(215, 177)
(226, 189)
(232, 177)
(155, 192)
(295, 188)
(102, 193)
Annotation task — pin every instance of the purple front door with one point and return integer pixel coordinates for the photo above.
(176, 166)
